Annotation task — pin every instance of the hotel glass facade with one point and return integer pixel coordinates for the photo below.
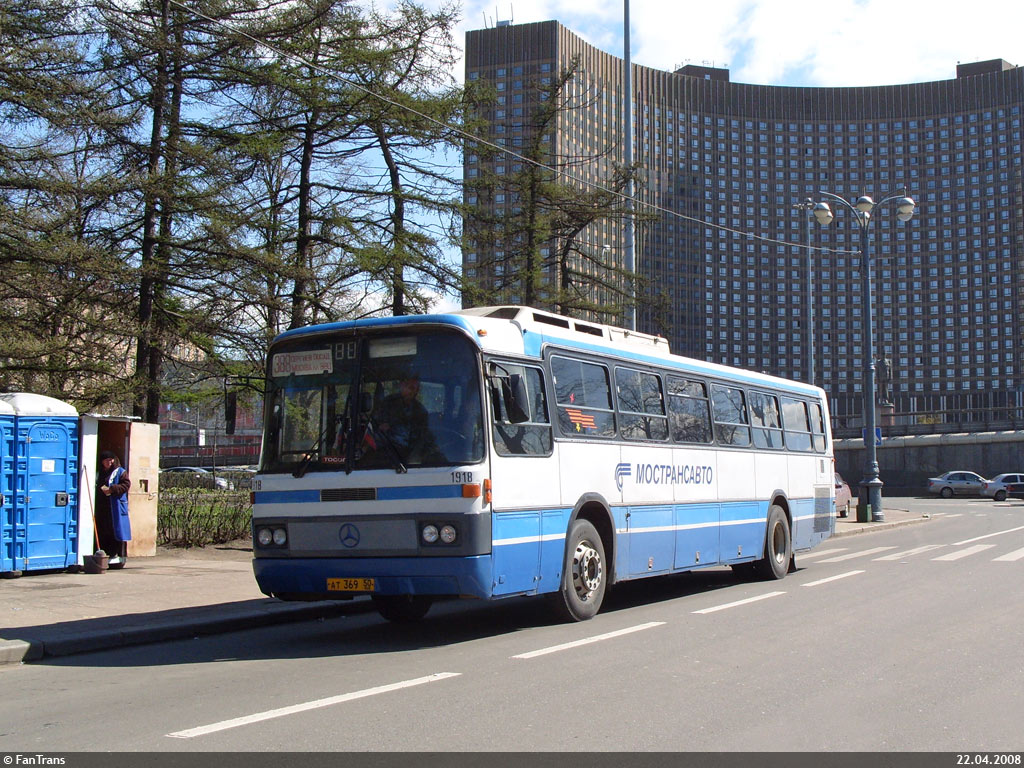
(725, 165)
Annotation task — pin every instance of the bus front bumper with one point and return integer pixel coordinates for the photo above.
(308, 578)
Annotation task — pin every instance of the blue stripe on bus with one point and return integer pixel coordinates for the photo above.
(408, 493)
(420, 492)
(286, 497)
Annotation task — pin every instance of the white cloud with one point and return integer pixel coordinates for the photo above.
(785, 42)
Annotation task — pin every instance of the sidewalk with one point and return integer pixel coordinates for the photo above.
(179, 594)
(895, 515)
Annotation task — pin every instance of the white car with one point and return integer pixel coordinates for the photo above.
(956, 482)
(203, 478)
(996, 488)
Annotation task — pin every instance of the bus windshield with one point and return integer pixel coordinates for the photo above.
(380, 401)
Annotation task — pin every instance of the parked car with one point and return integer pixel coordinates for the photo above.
(999, 486)
(844, 497)
(239, 478)
(199, 477)
(956, 482)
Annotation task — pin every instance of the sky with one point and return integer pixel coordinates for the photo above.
(781, 42)
(785, 42)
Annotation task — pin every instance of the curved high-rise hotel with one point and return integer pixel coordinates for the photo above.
(727, 168)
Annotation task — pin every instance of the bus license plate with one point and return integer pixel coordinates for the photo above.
(350, 585)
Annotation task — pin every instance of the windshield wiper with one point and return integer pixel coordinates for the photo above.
(307, 458)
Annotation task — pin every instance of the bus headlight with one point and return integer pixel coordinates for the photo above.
(448, 534)
(430, 534)
(276, 537)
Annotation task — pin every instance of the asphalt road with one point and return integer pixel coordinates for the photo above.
(904, 639)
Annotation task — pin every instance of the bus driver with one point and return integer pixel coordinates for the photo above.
(404, 423)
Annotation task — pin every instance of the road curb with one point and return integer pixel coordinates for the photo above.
(17, 651)
(28, 649)
(882, 526)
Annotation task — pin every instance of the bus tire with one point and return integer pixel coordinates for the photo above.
(402, 609)
(778, 546)
(584, 576)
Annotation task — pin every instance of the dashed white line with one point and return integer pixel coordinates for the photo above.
(1009, 557)
(964, 552)
(740, 602)
(990, 535)
(863, 553)
(832, 578)
(910, 552)
(588, 640)
(224, 725)
(822, 553)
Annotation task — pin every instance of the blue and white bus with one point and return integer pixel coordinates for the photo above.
(547, 455)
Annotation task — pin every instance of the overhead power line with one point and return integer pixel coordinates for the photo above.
(497, 147)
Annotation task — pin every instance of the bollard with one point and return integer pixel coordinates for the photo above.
(863, 513)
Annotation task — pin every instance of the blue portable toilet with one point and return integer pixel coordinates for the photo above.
(44, 529)
(6, 487)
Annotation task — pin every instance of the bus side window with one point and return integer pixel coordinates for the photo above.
(529, 438)
(730, 410)
(688, 411)
(641, 405)
(798, 429)
(584, 398)
(764, 412)
(817, 428)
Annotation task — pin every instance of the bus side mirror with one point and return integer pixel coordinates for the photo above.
(365, 403)
(517, 398)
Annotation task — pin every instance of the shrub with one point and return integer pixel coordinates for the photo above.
(195, 517)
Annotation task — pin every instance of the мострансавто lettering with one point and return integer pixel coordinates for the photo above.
(669, 474)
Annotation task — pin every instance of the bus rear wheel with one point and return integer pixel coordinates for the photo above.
(402, 609)
(584, 577)
(778, 546)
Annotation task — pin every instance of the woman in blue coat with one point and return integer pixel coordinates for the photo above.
(112, 524)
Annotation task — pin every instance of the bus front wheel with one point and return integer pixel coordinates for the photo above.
(584, 577)
(402, 608)
(778, 546)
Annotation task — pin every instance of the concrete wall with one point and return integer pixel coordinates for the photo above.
(906, 463)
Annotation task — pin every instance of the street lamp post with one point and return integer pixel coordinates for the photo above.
(808, 206)
(869, 501)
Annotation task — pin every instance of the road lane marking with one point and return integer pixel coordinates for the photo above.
(832, 578)
(588, 640)
(740, 602)
(1010, 557)
(989, 535)
(852, 555)
(224, 725)
(965, 552)
(822, 553)
(910, 552)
